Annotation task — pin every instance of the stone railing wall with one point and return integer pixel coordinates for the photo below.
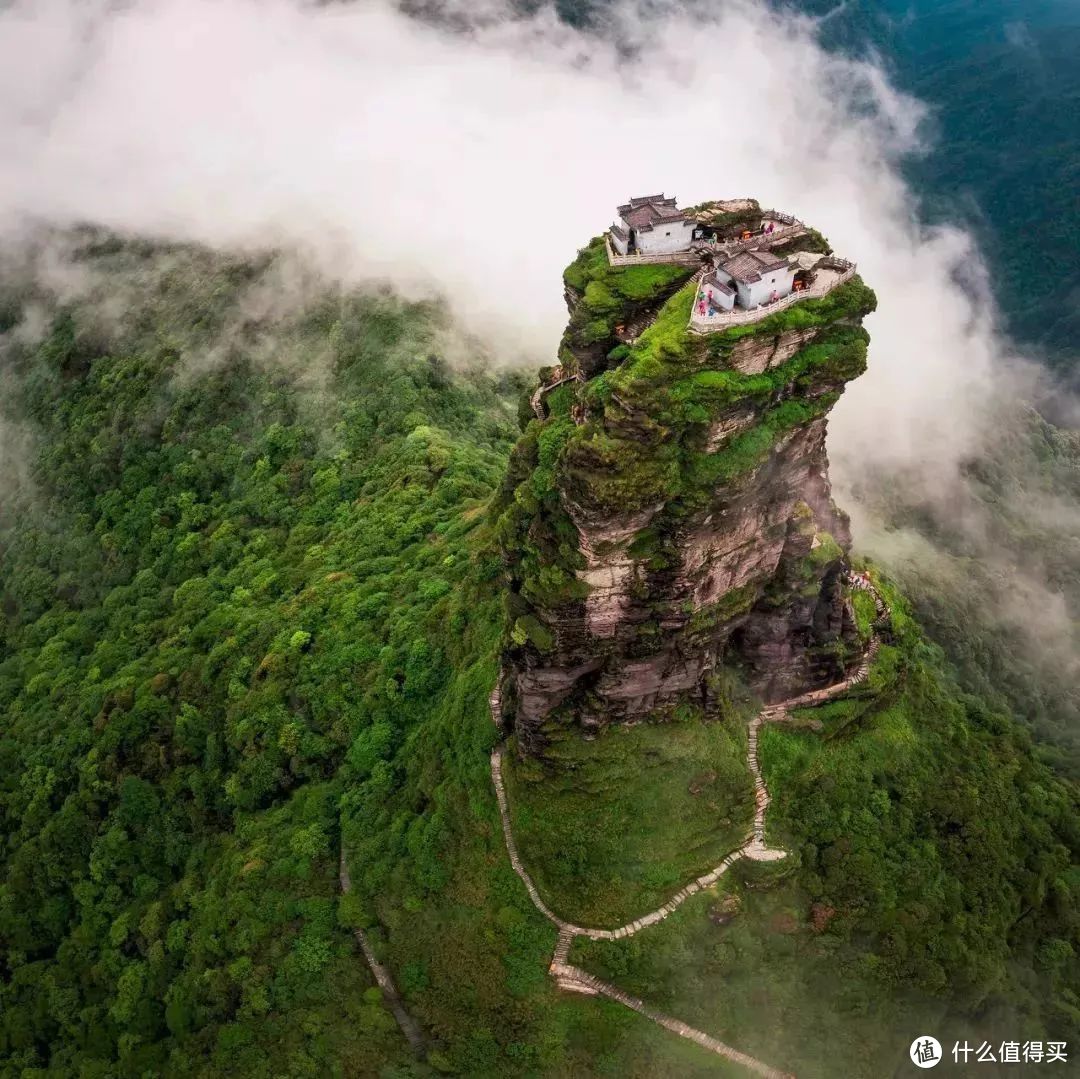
(681, 258)
(831, 262)
(723, 320)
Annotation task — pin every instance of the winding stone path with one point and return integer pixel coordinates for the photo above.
(575, 979)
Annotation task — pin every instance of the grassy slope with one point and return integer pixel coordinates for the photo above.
(609, 293)
(611, 828)
(932, 887)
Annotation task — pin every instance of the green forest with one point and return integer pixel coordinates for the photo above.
(250, 614)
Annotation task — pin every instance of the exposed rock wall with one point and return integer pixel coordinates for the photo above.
(685, 523)
(758, 353)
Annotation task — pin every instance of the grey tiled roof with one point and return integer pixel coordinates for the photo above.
(645, 211)
(644, 200)
(748, 266)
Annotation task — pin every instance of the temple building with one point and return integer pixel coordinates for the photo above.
(718, 295)
(650, 225)
(756, 276)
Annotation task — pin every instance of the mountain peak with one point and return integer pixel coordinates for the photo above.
(668, 506)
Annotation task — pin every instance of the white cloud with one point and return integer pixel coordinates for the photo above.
(474, 162)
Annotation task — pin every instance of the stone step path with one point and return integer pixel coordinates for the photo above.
(581, 981)
(707, 880)
(644, 326)
(495, 703)
(562, 949)
(656, 313)
(863, 583)
(857, 677)
(409, 1027)
(574, 979)
(511, 846)
(757, 849)
(537, 399)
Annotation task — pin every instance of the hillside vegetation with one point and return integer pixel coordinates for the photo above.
(225, 603)
(249, 616)
(931, 884)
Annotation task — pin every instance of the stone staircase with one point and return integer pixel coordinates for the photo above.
(862, 672)
(495, 703)
(864, 584)
(574, 979)
(511, 846)
(541, 391)
(577, 980)
(656, 314)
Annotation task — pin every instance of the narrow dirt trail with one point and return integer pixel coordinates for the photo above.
(575, 979)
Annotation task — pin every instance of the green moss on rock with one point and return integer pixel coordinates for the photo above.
(731, 605)
(669, 432)
(607, 296)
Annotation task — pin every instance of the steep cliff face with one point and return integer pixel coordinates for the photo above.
(672, 509)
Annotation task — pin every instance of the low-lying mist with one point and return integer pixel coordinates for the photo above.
(473, 164)
(466, 165)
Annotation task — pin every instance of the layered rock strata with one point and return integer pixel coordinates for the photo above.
(672, 511)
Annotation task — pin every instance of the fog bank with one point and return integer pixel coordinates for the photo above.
(470, 163)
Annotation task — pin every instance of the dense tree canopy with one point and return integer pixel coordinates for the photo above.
(249, 617)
